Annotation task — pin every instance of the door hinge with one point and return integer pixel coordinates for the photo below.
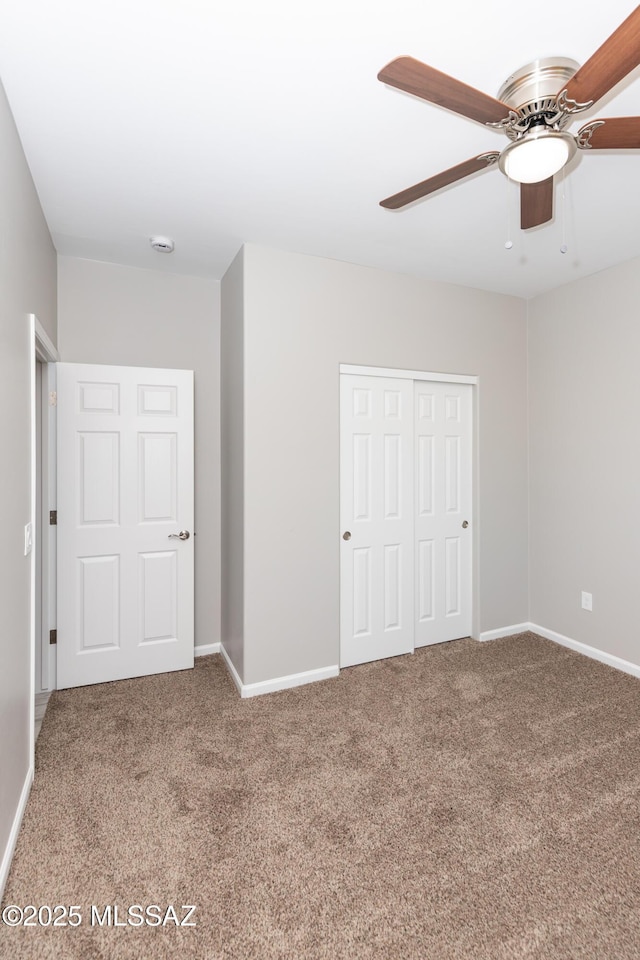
(53, 636)
(53, 398)
(53, 518)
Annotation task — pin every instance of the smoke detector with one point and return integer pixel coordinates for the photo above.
(162, 244)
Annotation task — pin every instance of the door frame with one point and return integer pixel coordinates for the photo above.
(474, 381)
(43, 353)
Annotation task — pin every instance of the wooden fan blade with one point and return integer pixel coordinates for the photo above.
(536, 203)
(609, 64)
(615, 133)
(417, 78)
(440, 180)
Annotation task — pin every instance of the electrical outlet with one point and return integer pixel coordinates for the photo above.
(587, 600)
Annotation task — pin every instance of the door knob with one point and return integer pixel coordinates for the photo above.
(346, 535)
(465, 524)
(183, 535)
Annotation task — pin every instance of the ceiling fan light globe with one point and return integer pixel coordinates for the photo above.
(535, 158)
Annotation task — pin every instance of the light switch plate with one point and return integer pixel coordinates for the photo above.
(28, 539)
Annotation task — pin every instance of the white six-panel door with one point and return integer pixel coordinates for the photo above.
(125, 490)
(442, 507)
(376, 517)
(405, 513)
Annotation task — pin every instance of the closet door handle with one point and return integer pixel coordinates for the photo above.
(183, 535)
(346, 535)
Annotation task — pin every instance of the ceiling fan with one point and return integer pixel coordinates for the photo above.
(533, 107)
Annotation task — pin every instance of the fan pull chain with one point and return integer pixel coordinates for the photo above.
(508, 243)
(563, 218)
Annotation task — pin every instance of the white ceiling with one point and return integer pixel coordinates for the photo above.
(223, 121)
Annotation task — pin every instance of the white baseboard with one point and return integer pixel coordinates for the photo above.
(612, 661)
(205, 649)
(15, 830)
(504, 632)
(233, 673)
(278, 683)
(41, 701)
(285, 683)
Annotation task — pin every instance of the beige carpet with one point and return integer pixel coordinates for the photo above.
(472, 801)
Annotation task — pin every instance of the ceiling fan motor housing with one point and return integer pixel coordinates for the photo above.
(532, 92)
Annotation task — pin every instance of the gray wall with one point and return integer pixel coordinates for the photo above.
(27, 285)
(584, 344)
(303, 316)
(131, 317)
(232, 431)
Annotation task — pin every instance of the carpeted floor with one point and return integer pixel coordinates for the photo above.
(474, 801)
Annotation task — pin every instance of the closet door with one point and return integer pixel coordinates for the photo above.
(377, 518)
(443, 522)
